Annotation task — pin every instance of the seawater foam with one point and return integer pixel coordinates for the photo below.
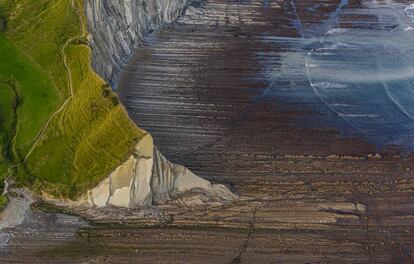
(328, 85)
(359, 115)
(337, 31)
(409, 10)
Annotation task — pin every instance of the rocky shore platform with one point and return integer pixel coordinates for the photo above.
(205, 88)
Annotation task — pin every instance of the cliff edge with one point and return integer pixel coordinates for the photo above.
(146, 178)
(117, 27)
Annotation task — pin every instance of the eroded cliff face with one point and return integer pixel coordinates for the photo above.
(147, 178)
(118, 26)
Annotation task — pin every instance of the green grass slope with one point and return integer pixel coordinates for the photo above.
(7, 125)
(38, 95)
(60, 123)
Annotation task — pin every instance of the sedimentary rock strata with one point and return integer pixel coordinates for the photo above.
(147, 178)
(117, 27)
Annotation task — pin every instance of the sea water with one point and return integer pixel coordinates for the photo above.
(359, 75)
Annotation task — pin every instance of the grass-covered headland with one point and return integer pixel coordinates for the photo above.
(62, 129)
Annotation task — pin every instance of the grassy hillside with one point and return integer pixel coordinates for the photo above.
(7, 125)
(38, 95)
(65, 130)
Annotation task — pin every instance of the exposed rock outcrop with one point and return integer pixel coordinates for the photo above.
(147, 178)
(117, 27)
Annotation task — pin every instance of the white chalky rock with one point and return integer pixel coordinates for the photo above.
(148, 178)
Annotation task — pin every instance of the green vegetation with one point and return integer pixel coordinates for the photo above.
(59, 122)
(8, 118)
(2, 24)
(3, 202)
(39, 97)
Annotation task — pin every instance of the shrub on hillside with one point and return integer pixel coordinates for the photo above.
(3, 202)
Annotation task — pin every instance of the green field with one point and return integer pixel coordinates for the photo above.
(67, 130)
(38, 96)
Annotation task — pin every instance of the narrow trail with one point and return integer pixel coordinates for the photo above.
(70, 84)
(61, 108)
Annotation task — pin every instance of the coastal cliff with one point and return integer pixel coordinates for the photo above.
(146, 178)
(117, 27)
(64, 131)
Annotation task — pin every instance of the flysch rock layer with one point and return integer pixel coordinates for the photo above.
(119, 26)
(147, 178)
